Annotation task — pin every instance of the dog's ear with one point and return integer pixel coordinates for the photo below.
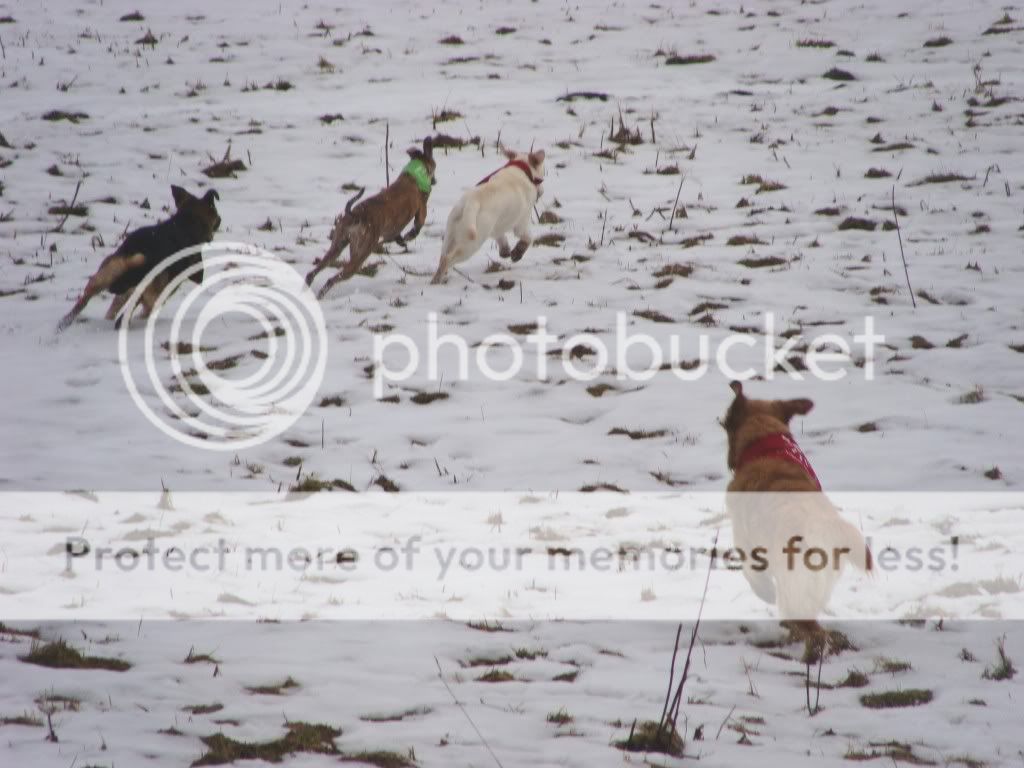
(736, 413)
(428, 148)
(414, 153)
(509, 153)
(536, 158)
(210, 196)
(791, 408)
(180, 195)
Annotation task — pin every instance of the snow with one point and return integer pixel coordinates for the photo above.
(910, 455)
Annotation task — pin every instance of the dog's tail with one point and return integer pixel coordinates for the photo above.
(354, 200)
(860, 552)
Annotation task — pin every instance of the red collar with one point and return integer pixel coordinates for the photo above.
(777, 446)
(522, 166)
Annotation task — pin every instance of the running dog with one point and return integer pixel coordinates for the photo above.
(146, 249)
(381, 218)
(793, 540)
(500, 203)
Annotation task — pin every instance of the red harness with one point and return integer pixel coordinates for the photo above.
(522, 166)
(778, 446)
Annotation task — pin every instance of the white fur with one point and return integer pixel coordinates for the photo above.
(490, 211)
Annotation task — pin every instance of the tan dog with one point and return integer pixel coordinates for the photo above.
(777, 508)
(146, 249)
(381, 218)
(499, 204)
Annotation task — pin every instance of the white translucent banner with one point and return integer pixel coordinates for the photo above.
(508, 556)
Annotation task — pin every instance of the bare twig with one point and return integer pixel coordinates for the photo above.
(70, 207)
(463, 274)
(673, 711)
(671, 674)
(812, 711)
(458, 703)
(672, 218)
(902, 256)
(728, 717)
(406, 270)
(387, 165)
(52, 735)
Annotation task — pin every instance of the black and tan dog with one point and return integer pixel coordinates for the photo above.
(145, 250)
(794, 541)
(381, 218)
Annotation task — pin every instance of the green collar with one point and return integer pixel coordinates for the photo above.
(417, 171)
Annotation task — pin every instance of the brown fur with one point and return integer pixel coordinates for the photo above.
(380, 219)
(146, 249)
(770, 501)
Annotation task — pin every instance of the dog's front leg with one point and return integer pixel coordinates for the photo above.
(417, 224)
(503, 250)
(117, 303)
(522, 231)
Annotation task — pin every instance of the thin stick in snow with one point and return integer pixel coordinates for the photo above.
(673, 710)
(671, 674)
(902, 256)
(440, 676)
(70, 207)
(387, 165)
(682, 178)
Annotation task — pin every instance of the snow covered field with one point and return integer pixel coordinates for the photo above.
(785, 129)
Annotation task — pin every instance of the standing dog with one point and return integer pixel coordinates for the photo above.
(793, 540)
(145, 250)
(499, 204)
(381, 218)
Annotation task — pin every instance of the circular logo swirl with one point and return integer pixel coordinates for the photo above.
(242, 356)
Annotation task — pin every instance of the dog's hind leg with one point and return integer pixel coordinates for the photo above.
(361, 245)
(444, 265)
(110, 270)
(339, 241)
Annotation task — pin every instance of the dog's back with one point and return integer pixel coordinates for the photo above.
(156, 243)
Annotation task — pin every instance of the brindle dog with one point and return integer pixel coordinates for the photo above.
(381, 218)
(145, 250)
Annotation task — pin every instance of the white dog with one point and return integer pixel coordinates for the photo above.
(499, 204)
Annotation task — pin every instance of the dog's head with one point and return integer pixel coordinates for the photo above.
(426, 156)
(747, 420)
(201, 217)
(201, 213)
(535, 161)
